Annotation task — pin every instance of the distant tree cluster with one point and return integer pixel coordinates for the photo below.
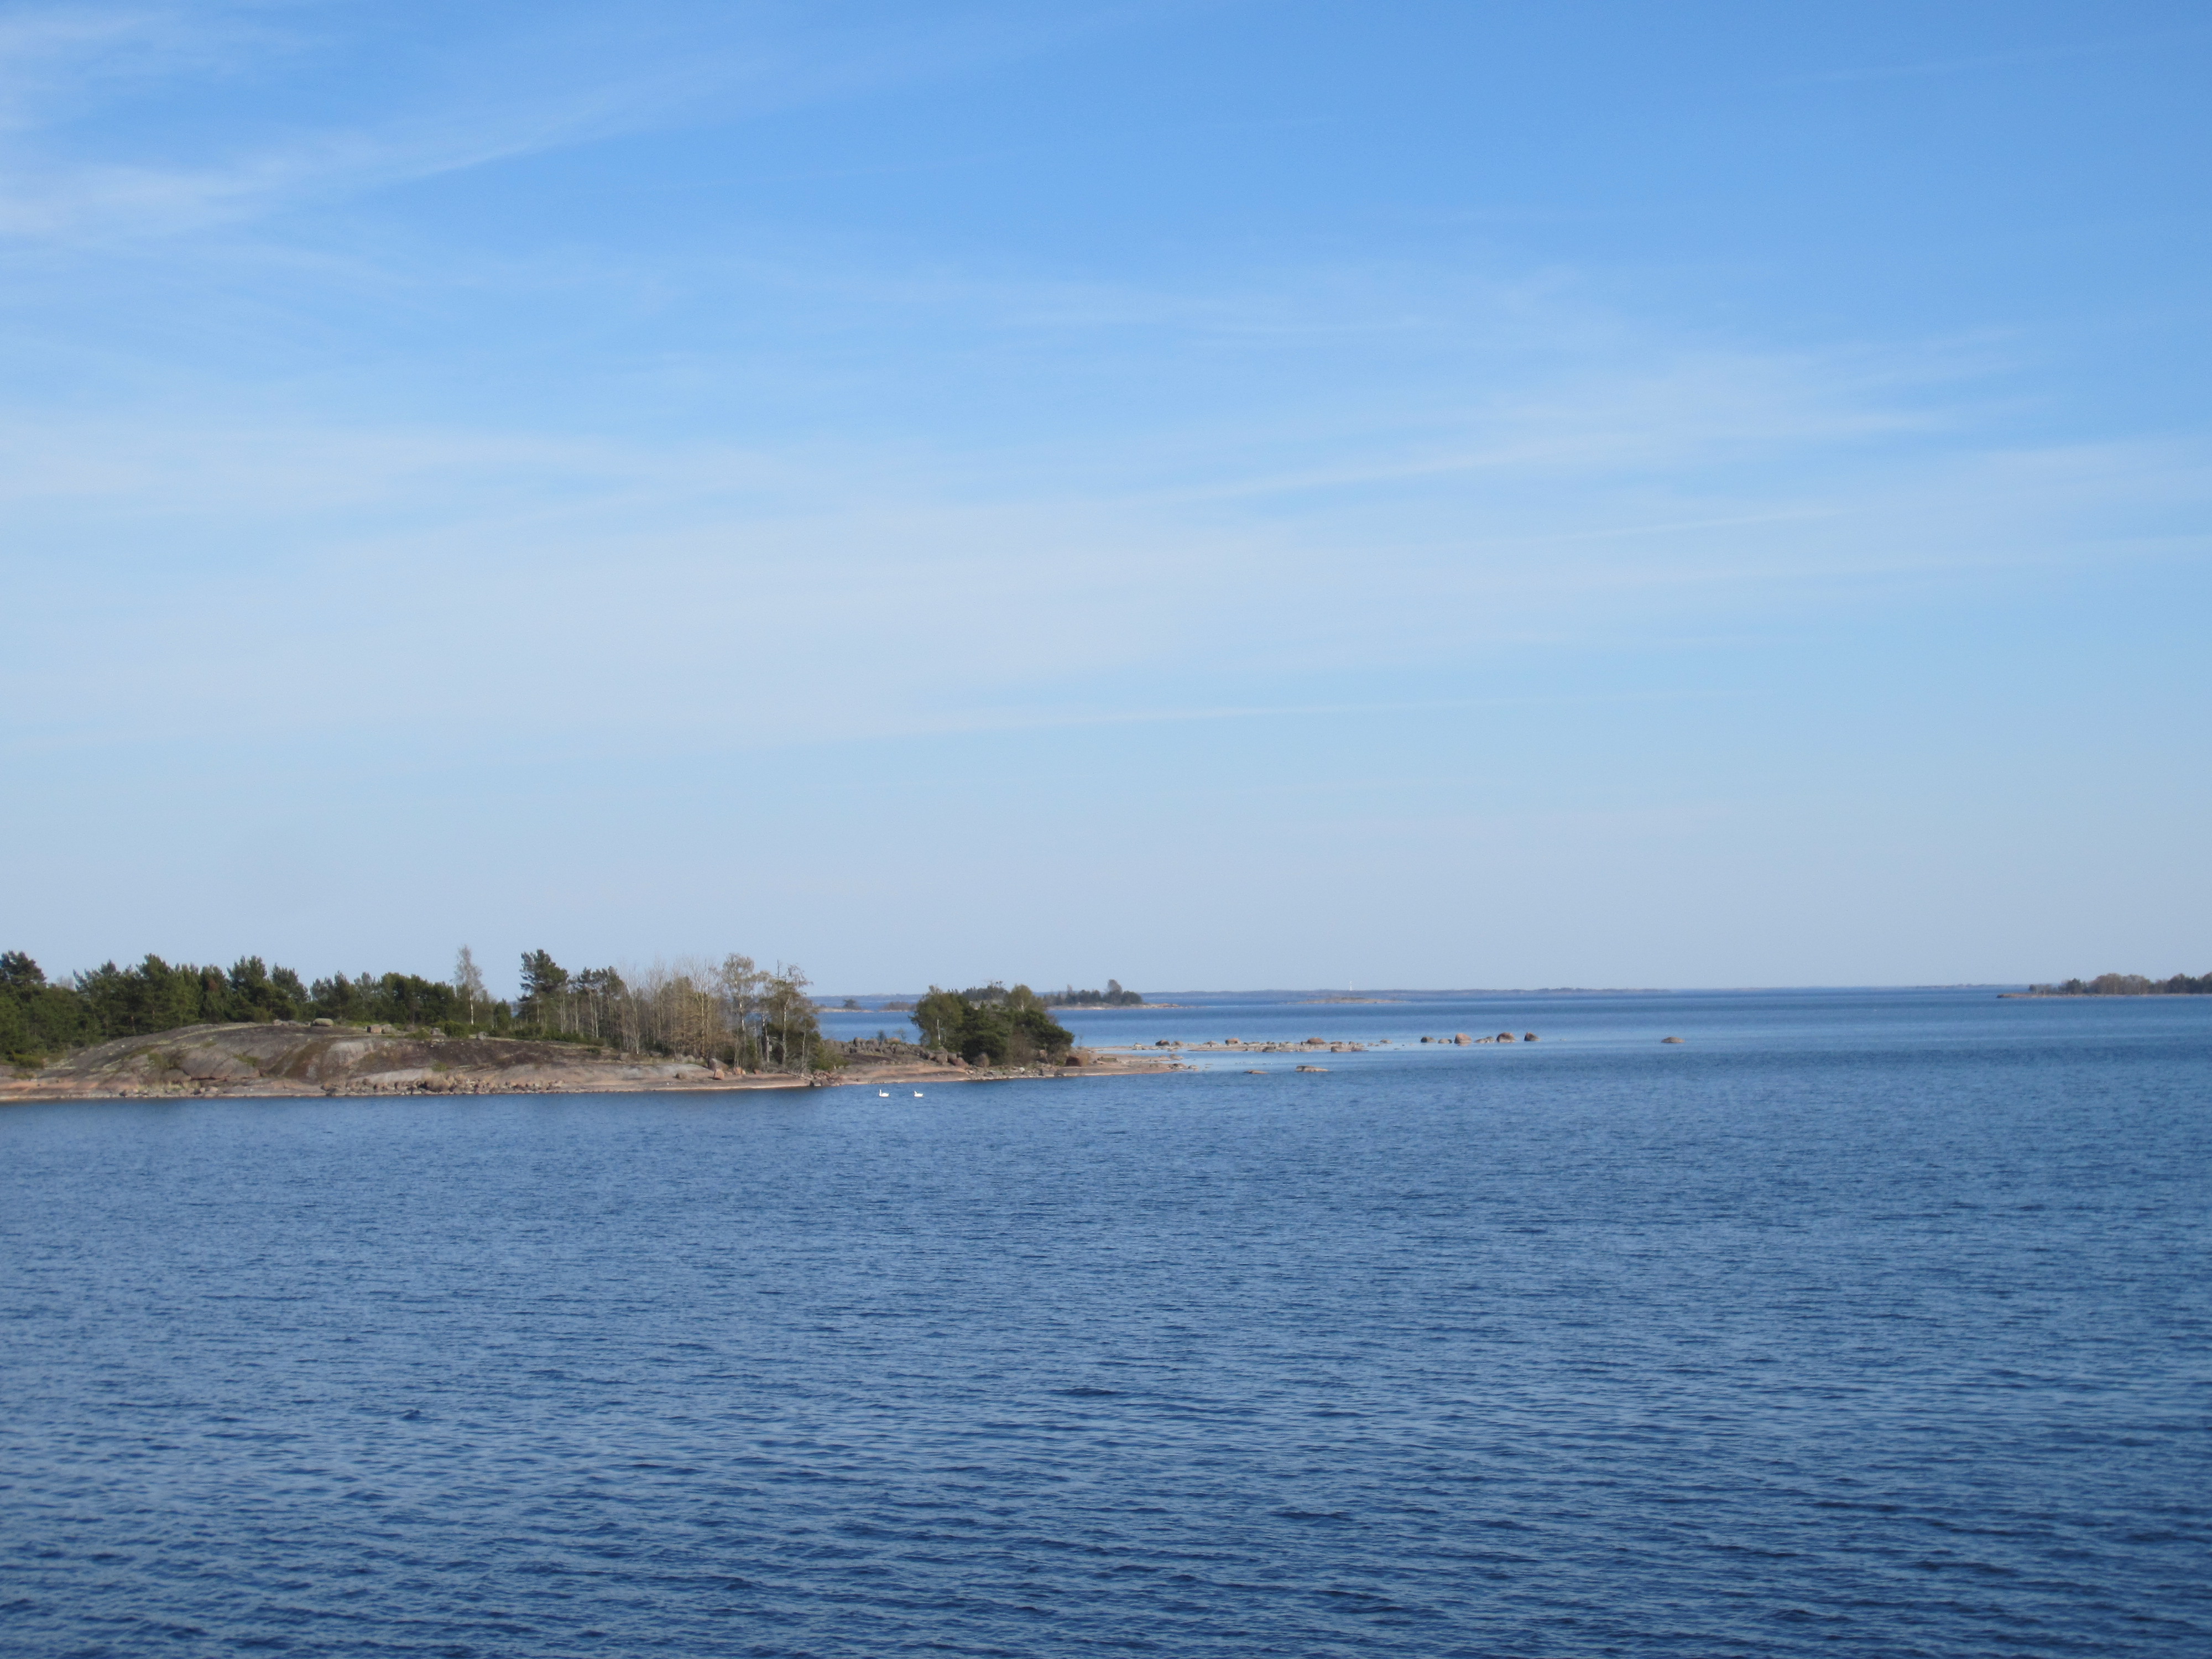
(991, 1023)
(399, 1000)
(156, 997)
(36, 1018)
(733, 1012)
(2129, 985)
(1112, 997)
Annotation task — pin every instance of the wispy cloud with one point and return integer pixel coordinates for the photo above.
(695, 581)
(60, 64)
(561, 77)
(1293, 470)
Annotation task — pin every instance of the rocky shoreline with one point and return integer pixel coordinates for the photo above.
(288, 1059)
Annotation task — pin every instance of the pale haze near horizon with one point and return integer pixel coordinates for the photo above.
(1210, 495)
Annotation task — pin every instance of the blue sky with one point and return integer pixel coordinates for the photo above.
(1211, 493)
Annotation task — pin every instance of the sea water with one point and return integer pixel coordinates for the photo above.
(1859, 1323)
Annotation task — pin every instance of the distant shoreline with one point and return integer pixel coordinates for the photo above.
(1057, 1007)
(2099, 996)
(2120, 985)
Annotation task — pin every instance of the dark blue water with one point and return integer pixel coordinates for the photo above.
(1857, 1324)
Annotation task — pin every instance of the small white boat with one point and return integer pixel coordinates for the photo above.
(883, 1094)
(917, 1094)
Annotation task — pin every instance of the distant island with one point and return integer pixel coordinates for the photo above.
(2122, 985)
(1112, 997)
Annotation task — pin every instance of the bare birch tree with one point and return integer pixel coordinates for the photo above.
(469, 982)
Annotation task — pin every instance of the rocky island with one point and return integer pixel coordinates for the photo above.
(158, 1030)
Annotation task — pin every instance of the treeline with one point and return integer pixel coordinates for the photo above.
(2128, 985)
(989, 1023)
(36, 1018)
(1112, 997)
(40, 1019)
(734, 1012)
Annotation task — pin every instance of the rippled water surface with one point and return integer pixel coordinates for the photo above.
(1856, 1323)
